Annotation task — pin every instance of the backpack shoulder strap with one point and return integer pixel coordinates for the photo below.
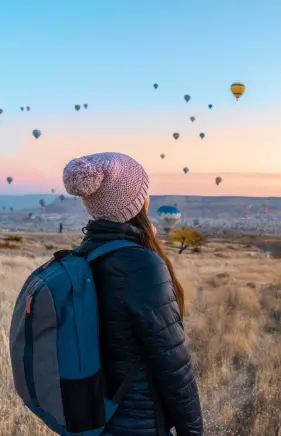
(109, 247)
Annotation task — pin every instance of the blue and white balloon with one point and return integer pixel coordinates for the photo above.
(168, 217)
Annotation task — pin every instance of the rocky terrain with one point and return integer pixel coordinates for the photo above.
(218, 214)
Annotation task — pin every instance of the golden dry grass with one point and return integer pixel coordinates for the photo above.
(233, 326)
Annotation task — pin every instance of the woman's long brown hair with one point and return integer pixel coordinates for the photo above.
(149, 240)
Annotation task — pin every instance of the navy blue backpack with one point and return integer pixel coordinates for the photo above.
(54, 345)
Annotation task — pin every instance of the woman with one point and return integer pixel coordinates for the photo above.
(141, 303)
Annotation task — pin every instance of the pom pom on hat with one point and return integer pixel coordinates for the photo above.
(83, 176)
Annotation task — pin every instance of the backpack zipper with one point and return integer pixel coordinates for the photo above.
(30, 300)
(28, 304)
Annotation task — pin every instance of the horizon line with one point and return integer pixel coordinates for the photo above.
(151, 195)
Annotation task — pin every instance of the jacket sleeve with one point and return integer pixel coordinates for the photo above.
(156, 318)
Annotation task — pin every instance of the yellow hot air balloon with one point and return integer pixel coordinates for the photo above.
(53, 190)
(237, 89)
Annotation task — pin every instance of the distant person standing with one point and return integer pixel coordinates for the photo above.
(61, 228)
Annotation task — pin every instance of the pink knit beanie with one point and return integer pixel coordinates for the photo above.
(113, 186)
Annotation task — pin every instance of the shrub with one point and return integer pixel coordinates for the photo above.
(251, 285)
(14, 238)
(189, 238)
(7, 244)
(49, 247)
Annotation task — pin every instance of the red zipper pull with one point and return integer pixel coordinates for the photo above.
(48, 263)
(28, 304)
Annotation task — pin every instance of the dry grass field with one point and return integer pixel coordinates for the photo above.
(233, 326)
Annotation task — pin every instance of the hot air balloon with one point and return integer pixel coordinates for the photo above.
(210, 106)
(22, 108)
(237, 89)
(30, 214)
(162, 156)
(28, 108)
(168, 216)
(1, 111)
(36, 133)
(218, 180)
(77, 107)
(202, 135)
(246, 215)
(53, 190)
(185, 170)
(265, 208)
(62, 197)
(9, 179)
(176, 135)
(42, 202)
(85, 106)
(155, 86)
(11, 209)
(196, 221)
(187, 98)
(192, 119)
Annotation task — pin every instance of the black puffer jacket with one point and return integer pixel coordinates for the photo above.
(139, 314)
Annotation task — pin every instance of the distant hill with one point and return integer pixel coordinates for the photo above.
(190, 206)
(20, 202)
(68, 205)
(217, 207)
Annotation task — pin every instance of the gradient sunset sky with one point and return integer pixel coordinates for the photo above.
(109, 53)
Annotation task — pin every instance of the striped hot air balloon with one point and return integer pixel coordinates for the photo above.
(168, 216)
(237, 89)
